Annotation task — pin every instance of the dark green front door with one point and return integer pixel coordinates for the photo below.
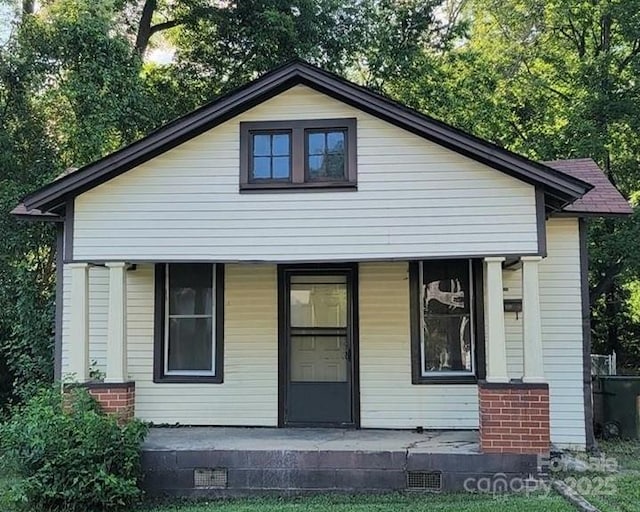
(318, 346)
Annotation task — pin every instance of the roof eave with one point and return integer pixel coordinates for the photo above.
(592, 214)
(565, 188)
(22, 213)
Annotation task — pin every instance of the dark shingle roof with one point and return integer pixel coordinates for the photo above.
(603, 199)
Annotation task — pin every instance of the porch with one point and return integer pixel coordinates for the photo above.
(376, 373)
(227, 461)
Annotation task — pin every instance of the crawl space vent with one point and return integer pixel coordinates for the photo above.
(424, 480)
(210, 478)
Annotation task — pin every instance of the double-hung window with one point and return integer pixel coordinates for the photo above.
(446, 332)
(189, 320)
(316, 153)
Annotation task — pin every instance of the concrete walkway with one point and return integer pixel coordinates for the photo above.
(310, 439)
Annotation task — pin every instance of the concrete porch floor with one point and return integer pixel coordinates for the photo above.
(310, 439)
(223, 461)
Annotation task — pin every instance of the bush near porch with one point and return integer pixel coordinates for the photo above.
(68, 455)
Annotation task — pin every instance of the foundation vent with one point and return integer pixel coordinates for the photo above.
(424, 480)
(210, 478)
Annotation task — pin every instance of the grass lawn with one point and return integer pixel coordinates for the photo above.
(385, 503)
(619, 492)
(627, 453)
(626, 495)
(625, 498)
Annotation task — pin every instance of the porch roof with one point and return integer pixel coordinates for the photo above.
(603, 199)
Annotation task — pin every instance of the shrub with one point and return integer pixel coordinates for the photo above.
(70, 456)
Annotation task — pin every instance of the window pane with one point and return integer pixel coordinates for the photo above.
(316, 166)
(326, 155)
(280, 144)
(318, 304)
(335, 142)
(318, 359)
(447, 336)
(446, 286)
(447, 343)
(190, 344)
(280, 167)
(316, 143)
(334, 166)
(190, 289)
(261, 145)
(262, 168)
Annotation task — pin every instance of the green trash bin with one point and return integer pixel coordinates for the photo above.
(620, 396)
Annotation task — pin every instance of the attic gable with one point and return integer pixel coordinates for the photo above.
(559, 188)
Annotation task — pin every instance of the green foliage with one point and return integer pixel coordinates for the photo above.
(73, 87)
(553, 79)
(545, 78)
(70, 91)
(70, 456)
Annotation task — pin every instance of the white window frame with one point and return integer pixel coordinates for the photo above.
(472, 334)
(167, 317)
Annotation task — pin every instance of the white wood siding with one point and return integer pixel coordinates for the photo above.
(414, 199)
(561, 309)
(249, 394)
(561, 312)
(388, 398)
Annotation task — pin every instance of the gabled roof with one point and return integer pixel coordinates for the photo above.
(602, 199)
(560, 189)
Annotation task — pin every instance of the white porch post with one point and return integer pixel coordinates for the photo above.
(79, 328)
(532, 327)
(494, 319)
(117, 323)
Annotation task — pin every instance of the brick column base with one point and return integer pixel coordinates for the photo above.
(114, 398)
(514, 418)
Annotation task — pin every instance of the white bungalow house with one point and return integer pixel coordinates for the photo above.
(305, 252)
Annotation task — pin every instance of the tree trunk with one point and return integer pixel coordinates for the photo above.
(605, 283)
(144, 27)
(612, 310)
(28, 6)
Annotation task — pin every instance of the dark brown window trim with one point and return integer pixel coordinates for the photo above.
(298, 154)
(159, 335)
(414, 302)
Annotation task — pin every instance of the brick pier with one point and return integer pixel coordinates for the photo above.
(514, 418)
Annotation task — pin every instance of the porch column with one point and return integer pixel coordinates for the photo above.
(532, 326)
(117, 323)
(494, 320)
(79, 326)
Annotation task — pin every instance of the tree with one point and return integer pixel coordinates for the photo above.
(557, 79)
(70, 91)
(74, 86)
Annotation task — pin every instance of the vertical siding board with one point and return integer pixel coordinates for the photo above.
(414, 199)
